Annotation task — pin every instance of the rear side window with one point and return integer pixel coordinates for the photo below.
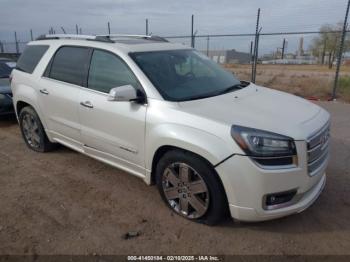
(70, 65)
(31, 57)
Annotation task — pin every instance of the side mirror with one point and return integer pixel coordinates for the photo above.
(124, 93)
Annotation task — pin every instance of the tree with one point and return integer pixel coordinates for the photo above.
(327, 43)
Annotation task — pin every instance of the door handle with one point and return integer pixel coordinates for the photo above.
(87, 104)
(44, 91)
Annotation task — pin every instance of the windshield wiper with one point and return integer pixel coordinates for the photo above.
(231, 88)
(226, 90)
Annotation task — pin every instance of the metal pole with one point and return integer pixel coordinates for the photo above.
(109, 28)
(340, 54)
(146, 26)
(64, 31)
(1, 47)
(256, 47)
(76, 29)
(208, 45)
(283, 48)
(192, 36)
(31, 35)
(17, 47)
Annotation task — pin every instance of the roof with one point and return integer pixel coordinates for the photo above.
(126, 43)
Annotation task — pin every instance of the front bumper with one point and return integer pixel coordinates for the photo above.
(246, 185)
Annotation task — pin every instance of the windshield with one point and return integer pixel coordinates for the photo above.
(181, 75)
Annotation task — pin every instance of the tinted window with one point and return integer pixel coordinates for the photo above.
(70, 65)
(31, 57)
(108, 71)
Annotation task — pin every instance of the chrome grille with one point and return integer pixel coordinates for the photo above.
(318, 149)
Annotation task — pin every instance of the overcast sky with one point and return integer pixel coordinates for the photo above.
(172, 17)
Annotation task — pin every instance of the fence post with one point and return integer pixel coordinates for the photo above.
(340, 52)
(256, 47)
(192, 35)
(109, 28)
(31, 35)
(1, 47)
(76, 29)
(146, 26)
(16, 41)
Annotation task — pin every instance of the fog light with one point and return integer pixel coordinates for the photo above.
(277, 200)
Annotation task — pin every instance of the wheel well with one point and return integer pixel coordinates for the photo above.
(20, 105)
(157, 155)
(161, 151)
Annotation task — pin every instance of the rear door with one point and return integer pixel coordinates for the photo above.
(112, 130)
(59, 93)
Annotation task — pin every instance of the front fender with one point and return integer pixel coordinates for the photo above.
(207, 145)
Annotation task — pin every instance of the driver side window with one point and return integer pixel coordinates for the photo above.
(108, 71)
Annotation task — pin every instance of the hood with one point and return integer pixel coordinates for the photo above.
(261, 108)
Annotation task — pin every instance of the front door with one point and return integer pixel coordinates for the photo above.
(112, 130)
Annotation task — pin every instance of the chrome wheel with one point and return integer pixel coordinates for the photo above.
(31, 130)
(185, 190)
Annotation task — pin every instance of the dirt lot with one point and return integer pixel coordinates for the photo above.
(66, 203)
(303, 80)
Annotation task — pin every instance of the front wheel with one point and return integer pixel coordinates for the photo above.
(190, 187)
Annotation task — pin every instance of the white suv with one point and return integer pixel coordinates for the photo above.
(169, 115)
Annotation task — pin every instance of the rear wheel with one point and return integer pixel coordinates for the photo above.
(33, 131)
(190, 187)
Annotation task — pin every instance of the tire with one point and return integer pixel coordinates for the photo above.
(33, 131)
(202, 185)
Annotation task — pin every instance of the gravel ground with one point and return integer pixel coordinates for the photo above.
(66, 203)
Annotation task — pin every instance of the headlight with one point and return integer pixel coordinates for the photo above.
(266, 148)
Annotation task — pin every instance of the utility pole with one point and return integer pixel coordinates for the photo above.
(208, 45)
(146, 26)
(109, 28)
(256, 47)
(192, 35)
(340, 54)
(283, 48)
(31, 35)
(16, 41)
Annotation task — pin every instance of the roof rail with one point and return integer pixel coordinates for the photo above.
(147, 37)
(73, 36)
(101, 38)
